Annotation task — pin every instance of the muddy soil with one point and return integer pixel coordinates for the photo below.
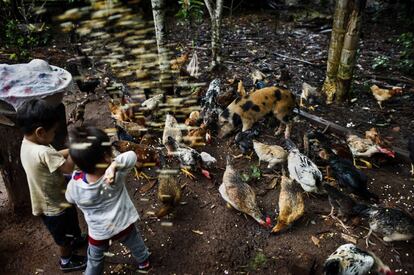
(205, 237)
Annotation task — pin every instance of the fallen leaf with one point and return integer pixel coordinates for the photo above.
(198, 232)
(348, 238)
(315, 241)
(148, 186)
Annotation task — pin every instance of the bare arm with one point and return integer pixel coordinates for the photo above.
(64, 153)
(67, 166)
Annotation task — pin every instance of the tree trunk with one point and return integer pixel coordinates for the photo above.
(215, 16)
(335, 47)
(11, 168)
(349, 51)
(158, 11)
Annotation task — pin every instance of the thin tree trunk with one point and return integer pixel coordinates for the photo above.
(349, 51)
(335, 48)
(158, 11)
(215, 15)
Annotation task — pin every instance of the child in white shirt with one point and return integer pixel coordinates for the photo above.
(99, 191)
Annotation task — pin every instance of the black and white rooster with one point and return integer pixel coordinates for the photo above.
(210, 109)
(350, 260)
(303, 170)
(393, 224)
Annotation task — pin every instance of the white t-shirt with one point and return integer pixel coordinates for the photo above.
(108, 209)
(46, 183)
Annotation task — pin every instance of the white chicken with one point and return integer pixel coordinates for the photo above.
(303, 170)
(350, 260)
(188, 157)
(153, 102)
(171, 129)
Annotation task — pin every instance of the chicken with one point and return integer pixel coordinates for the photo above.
(122, 134)
(384, 94)
(342, 150)
(346, 174)
(149, 140)
(88, 85)
(373, 135)
(199, 136)
(245, 139)
(393, 224)
(169, 193)
(361, 147)
(122, 111)
(258, 79)
(171, 129)
(309, 94)
(193, 118)
(303, 170)
(188, 157)
(78, 113)
(273, 154)
(240, 89)
(177, 63)
(410, 148)
(210, 109)
(147, 156)
(291, 204)
(152, 103)
(240, 195)
(340, 202)
(208, 159)
(350, 260)
(230, 93)
(133, 129)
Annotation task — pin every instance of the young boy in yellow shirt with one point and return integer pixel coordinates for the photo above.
(44, 167)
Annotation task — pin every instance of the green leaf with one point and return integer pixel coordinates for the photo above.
(245, 177)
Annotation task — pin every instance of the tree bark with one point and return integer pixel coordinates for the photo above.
(335, 48)
(11, 169)
(349, 51)
(215, 16)
(158, 11)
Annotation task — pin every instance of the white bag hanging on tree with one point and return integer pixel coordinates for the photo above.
(192, 67)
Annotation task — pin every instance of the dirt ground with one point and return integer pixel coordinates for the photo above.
(203, 236)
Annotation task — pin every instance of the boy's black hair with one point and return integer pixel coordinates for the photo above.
(88, 147)
(36, 113)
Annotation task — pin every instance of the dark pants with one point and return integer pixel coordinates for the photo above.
(64, 227)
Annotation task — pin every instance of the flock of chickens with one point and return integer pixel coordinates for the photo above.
(344, 184)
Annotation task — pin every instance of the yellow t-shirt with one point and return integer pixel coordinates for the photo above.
(46, 183)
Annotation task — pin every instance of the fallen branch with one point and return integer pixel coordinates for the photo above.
(342, 131)
(299, 60)
(403, 79)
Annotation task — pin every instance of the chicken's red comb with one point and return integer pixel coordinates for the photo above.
(268, 221)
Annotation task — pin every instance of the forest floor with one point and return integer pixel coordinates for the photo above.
(205, 236)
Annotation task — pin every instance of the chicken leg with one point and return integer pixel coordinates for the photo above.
(367, 237)
(140, 174)
(332, 216)
(367, 163)
(187, 173)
